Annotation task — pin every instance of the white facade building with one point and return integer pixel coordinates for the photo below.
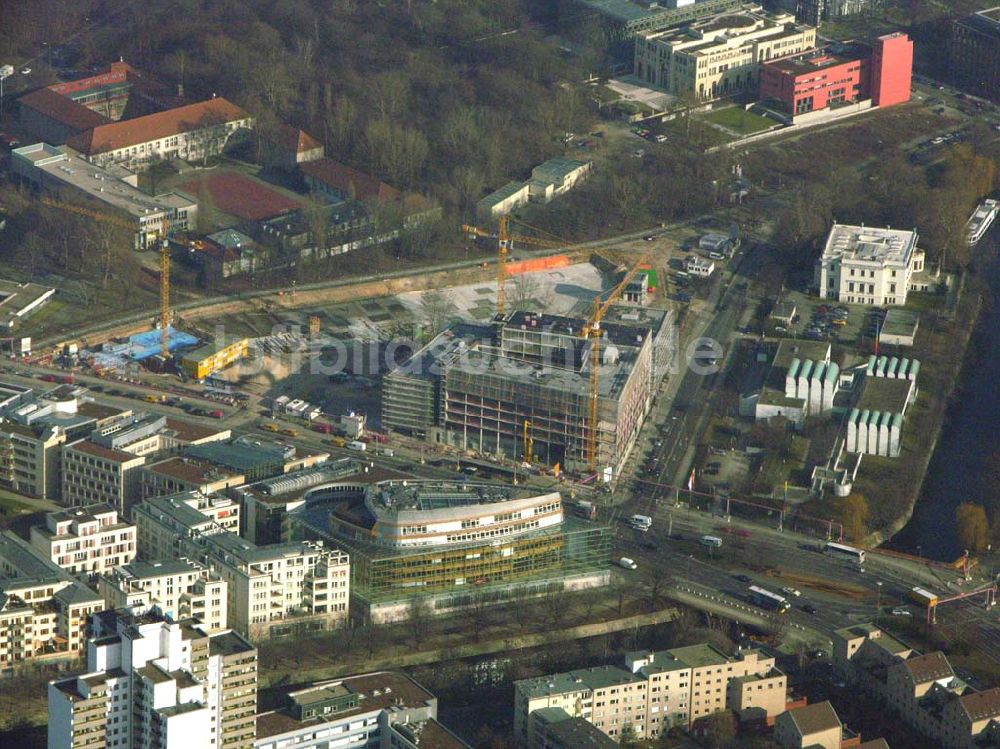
(865, 265)
(156, 684)
(86, 540)
(385, 709)
(180, 589)
(699, 266)
(270, 588)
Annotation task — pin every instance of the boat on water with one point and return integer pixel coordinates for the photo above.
(980, 221)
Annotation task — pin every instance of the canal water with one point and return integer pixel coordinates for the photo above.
(971, 434)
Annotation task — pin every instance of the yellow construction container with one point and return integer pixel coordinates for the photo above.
(214, 357)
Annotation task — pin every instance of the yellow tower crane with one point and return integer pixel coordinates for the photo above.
(504, 241)
(164, 250)
(592, 331)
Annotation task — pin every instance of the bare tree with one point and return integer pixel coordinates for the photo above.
(557, 606)
(775, 627)
(418, 620)
(438, 311)
(524, 291)
(479, 615)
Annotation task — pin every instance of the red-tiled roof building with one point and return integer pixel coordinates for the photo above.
(190, 132)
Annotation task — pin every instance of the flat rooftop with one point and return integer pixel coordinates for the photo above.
(581, 679)
(228, 643)
(789, 349)
(379, 691)
(104, 453)
(139, 570)
(900, 322)
(16, 298)
(885, 394)
(870, 244)
(99, 183)
(442, 495)
(191, 470)
(816, 60)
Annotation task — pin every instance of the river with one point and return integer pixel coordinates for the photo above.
(971, 433)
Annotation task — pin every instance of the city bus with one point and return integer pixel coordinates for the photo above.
(924, 597)
(768, 600)
(846, 552)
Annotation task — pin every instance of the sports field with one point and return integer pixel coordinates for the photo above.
(241, 196)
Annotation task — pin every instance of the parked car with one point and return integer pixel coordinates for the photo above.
(25, 70)
(628, 564)
(900, 611)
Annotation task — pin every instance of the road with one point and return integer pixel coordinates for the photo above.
(840, 592)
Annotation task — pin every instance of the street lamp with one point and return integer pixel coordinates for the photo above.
(878, 595)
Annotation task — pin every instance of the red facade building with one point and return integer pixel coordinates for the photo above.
(841, 74)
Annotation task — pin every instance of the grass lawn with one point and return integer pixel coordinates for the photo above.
(740, 120)
(11, 506)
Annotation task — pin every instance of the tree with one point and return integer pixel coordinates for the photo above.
(775, 627)
(720, 729)
(854, 514)
(418, 620)
(478, 614)
(656, 583)
(629, 739)
(973, 527)
(557, 605)
(438, 311)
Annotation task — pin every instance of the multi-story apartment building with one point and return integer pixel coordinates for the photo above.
(719, 56)
(922, 690)
(180, 589)
(282, 588)
(271, 589)
(33, 428)
(29, 459)
(88, 540)
(655, 691)
(975, 53)
(384, 709)
(92, 473)
(554, 728)
(868, 265)
(156, 684)
(43, 611)
(168, 526)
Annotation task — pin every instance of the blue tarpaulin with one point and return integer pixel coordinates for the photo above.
(145, 345)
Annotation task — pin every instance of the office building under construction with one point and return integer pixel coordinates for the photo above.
(520, 388)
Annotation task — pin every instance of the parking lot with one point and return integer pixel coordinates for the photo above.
(823, 320)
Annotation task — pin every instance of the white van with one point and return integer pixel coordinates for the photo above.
(357, 445)
(628, 564)
(713, 542)
(641, 522)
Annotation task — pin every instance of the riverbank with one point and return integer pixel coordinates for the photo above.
(900, 482)
(969, 434)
